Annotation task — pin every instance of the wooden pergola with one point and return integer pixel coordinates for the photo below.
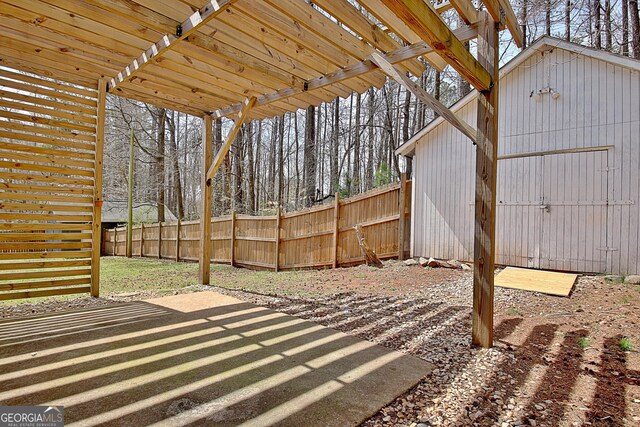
(243, 59)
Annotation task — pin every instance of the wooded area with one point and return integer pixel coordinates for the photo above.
(319, 237)
(348, 145)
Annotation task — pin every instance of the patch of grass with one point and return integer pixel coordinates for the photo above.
(613, 279)
(512, 311)
(123, 275)
(584, 343)
(625, 300)
(625, 344)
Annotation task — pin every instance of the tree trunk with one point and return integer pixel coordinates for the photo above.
(224, 196)
(597, 29)
(238, 154)
(271, 172)
(370, 144)
(310, 155)
(607, 25)
(523, 21)
(162, 115)
(297, 162)
(251, 171)
(258, 167)
(177, 184)
(335, 178)
(567, 20)
(547, 17)
(635, 28)
(436, 90)
(280, 160)
(405, 127)
(355, 179)
(625, 28)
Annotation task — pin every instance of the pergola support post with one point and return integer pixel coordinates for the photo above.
(205, 213)
(485, 198)
(97, 191)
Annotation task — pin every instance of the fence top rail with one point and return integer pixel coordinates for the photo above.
(307, 211)
(372, 193)
(257, 218)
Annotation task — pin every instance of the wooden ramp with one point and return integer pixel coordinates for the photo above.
(548, 282)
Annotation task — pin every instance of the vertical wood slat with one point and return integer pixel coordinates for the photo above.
(205, 213)
(277, 251)
(402, 213)
(97, 189)
(336, 229)
(177, 258)
(485, 198)
(159, 240)
(141, 240)
(233, 238)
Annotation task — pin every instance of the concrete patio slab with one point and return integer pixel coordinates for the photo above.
(197, 359)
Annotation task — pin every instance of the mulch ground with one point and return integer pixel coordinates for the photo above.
(557, 361)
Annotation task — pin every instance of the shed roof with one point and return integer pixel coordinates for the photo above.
(544, 43)
(199, 56)
(116, 211)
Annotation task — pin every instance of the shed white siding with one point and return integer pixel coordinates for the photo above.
(574, 210)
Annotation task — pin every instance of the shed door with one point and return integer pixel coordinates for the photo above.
(574, 211)
(518, 216)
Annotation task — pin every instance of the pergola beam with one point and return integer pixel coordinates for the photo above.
(496, 8)
(466, 10)
(424, 96)
(199, 18)
(423, 19)
(397, 56)
(242, 116)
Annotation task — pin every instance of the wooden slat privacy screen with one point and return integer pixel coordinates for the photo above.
(47, 157)
(303, 239)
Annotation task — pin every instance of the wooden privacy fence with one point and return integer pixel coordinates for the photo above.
(318, 237)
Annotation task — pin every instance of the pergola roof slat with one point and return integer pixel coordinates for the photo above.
(361, 25)
(289, 54)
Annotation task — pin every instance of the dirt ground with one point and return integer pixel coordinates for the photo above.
(557, 361)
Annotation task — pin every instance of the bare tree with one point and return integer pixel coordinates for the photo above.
(635, 28)
(567, 20)
(310, 155)
(625, 28)
(597, 29)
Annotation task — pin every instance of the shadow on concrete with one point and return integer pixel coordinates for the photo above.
(172, 362)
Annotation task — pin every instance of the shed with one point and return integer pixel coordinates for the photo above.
(115, 212)
(568, 172)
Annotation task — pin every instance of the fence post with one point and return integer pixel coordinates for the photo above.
(141, 239)
(178, 241)
(336, 224)
(277, 263)
(159, 240)
(233, 236)
(115, 241)
(401, 215)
